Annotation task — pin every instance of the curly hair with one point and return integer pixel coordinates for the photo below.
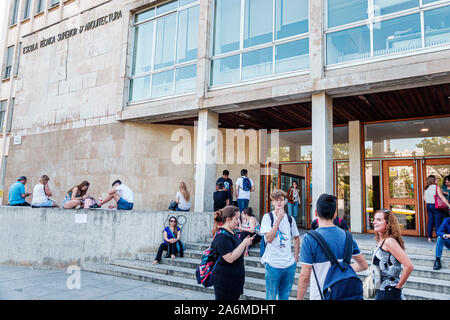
(392, 228)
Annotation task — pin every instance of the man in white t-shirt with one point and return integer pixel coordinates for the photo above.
(244, 185)
(278, 259)
(122, 194)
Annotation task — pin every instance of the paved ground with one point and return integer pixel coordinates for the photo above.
(22, 283)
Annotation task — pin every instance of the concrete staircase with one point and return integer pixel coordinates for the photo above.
(423, 284)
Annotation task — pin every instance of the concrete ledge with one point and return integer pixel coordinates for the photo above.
(51, 237)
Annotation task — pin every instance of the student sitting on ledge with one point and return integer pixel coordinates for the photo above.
(17, 193)
(123, 196)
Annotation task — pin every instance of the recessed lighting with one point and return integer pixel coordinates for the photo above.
(424, 129)
(241, 126)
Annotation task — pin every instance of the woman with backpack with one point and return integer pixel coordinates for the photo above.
(293, 198)
(388, 258)
(229, 273)
(435, 215)
(172, 242)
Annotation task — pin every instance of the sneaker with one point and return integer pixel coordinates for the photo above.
(78, 207)
(437, 265)
(94, 206)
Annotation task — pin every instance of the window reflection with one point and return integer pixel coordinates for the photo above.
(347, 45)
(437, 26)
(425, 137)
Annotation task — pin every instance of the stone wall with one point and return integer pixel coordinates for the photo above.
(50, 237)
(138, 154)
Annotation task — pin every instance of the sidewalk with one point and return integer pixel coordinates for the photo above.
(22, 283)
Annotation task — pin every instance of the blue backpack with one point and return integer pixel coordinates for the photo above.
(341, 282)
(262, 244)
(246, 184)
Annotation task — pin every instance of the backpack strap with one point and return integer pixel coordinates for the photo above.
(348, 247)
(317, 281)
(324, 246)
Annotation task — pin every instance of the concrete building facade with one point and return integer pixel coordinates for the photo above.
(344, 97)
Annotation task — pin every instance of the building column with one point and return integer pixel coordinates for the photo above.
(204, 28)
(356, 187)
(206, 160)
(322, 146)
(316, 39)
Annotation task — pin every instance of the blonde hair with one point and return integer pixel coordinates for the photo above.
(184, 192)
(392, 228)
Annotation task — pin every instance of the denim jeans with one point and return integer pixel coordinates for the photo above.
(178, 209)
(435, 218)
(441, 242)
(293, 209)
(242, 204)
(279, 282)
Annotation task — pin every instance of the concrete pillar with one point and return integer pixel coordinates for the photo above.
(322, 146)
(316, 39)
(356, 187)
(204, 28)
(206, 160)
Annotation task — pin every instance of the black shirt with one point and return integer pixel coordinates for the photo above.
(227, 184)
(228, 277)
(220, 199)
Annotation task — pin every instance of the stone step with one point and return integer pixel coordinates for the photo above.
(415, 281)
(416, 259)
(420, 249)
(163, 279)
(253, 289)
(419, 270)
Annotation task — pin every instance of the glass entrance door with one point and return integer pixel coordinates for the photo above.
(400, 193)
(439, 168)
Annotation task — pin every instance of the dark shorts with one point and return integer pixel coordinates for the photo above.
(124, 205)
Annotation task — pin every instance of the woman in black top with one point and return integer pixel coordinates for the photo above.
(229, 273)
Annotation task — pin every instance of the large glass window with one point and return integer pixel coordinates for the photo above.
(397, 35)
(437, 26)
(2, 113)
(39, 6)
(297, 145)
(277, 28)
(360, 29)
(164, 50)
(26, 9)
(17, 62)
(427, 137)
(347, 45)
(14, 11)
(8, 62)
(341, 12)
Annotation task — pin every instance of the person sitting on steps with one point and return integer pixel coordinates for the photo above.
(172, 242)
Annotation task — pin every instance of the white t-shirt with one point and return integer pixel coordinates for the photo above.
(242, 193)
(125, 193)
(278, 254)
(39, 195)
(183, 204)
(429, 194)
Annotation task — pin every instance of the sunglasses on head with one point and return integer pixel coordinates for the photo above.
(385, 210)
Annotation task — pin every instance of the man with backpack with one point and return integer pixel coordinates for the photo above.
(244, 185)
(326, 259)
(278, 229)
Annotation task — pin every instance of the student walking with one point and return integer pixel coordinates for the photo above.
(244, 185)
(172, 242)
(388, 258)
(278, 229)
(435, 216)
(316, 263)
(17, 193)
(42, 194)
(75, 196)
(229, 273)
(182, 198)
(121, 193)
(293, 199)
(443, 240)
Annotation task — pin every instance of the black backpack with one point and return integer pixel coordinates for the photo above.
(262, 245)
(348, 286)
